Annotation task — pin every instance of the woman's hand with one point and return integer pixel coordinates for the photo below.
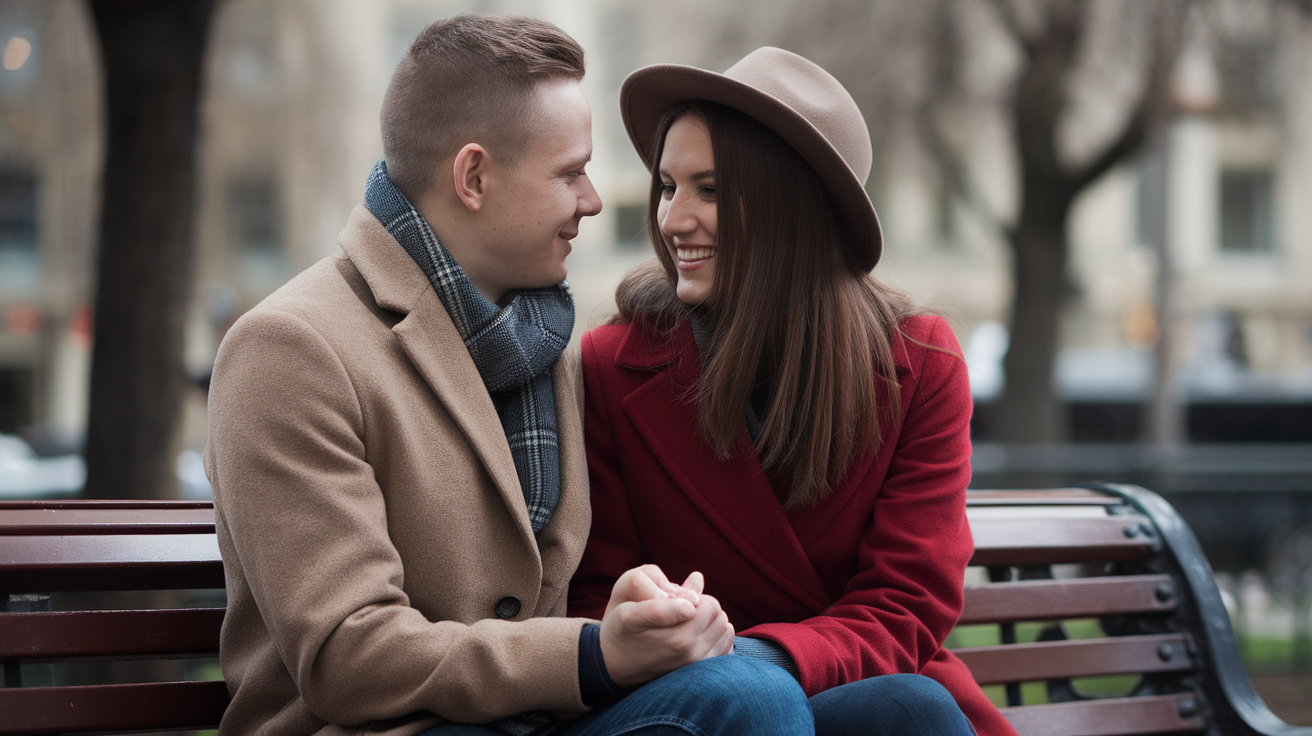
(652, 626)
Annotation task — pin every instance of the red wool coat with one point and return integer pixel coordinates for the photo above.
(869, 582)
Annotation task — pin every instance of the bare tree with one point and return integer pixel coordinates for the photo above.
(1054, 39)
(152, 51)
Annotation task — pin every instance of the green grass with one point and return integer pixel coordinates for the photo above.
(1267, 654)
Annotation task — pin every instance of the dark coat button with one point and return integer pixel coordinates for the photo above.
(508, 607)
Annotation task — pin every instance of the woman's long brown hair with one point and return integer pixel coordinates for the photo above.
(790, 315)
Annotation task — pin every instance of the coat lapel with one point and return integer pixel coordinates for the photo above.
(562, 540)
(433, 344)
(734, 495)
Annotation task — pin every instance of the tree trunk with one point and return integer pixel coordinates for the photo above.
(1029, 409)
(152, 51)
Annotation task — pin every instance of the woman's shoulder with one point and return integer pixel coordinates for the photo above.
(604, 342)
(928, 331)
(634, 344)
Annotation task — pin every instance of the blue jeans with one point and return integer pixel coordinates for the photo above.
(891, 705)
(721, 696)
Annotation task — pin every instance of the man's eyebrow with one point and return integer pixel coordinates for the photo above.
(577, 162)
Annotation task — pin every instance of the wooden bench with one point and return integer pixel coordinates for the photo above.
(82, 546)
(1108, 581)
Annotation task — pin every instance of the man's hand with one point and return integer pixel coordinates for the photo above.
(652, 626)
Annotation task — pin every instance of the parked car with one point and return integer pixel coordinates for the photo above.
(23, 474)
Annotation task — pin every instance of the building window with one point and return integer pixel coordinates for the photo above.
(19, 253)
(631, 227)
(1247, 212)
(15, 398)
(255, 228)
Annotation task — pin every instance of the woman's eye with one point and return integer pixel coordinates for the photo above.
(667, 191)
(707, 191)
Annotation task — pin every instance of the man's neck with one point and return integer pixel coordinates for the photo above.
(453, 227)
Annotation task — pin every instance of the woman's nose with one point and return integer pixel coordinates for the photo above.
(678, 219)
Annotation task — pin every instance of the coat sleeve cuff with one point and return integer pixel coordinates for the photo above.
(595, 685)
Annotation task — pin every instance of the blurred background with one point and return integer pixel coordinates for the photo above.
(1111, 201)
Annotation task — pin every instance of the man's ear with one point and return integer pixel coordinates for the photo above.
(470, 170)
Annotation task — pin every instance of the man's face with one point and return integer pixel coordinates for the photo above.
(533, 207)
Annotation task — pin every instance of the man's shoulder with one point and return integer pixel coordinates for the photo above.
(319, 293)
(328, 305)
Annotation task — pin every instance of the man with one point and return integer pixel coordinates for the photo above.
(396, 447)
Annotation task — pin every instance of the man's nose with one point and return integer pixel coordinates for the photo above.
(589, 200)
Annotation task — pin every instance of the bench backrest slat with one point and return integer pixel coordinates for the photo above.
(140, 707)
(1044, 497)
(1107, 717)
(35, 637)
(1059, 660)
(36, 564)
(1024, 541)
(1050, 600)
(92, 521)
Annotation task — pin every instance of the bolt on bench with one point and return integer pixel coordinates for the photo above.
(1116, 558)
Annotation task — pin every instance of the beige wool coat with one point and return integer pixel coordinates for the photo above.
(370, 517)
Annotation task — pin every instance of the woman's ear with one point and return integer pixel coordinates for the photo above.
(470, 170)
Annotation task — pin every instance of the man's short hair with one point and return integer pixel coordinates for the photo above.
(470, 79)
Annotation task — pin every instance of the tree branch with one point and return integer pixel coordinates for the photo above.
(1007, 14)
(1150, 108)
(955, 175)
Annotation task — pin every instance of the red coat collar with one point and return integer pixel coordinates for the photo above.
(646, 347)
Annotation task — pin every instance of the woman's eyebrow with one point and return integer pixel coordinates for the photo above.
(707, 174)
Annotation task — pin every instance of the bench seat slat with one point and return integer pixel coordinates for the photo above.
(1152, 714)
(146, 706)
(1033, 541)
(109, 634)
(39, 564)
(1052, 660)
(1049, 600)
(92, 521)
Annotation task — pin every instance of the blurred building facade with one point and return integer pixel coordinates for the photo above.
(290, 131)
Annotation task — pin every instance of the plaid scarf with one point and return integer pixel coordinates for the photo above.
(513, 346)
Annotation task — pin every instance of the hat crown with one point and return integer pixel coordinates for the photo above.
(815, 95)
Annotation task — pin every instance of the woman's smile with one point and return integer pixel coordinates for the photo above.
(693, 256)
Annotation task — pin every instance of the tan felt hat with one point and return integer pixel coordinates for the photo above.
(790, 95)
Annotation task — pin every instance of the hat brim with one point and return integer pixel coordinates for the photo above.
(650, 92)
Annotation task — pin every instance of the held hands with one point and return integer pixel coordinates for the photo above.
(652, 626)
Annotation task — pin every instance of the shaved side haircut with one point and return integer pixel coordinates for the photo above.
(470, 79)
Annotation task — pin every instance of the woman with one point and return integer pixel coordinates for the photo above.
(766, 412)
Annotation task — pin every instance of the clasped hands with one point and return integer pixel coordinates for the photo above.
(652, 626)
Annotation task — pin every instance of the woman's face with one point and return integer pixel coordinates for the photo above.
(686, 212)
